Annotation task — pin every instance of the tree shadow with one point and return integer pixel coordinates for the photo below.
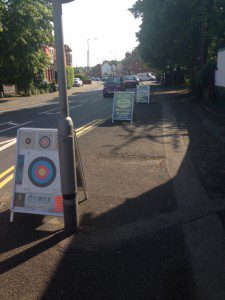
(114, 257)
(152, 263)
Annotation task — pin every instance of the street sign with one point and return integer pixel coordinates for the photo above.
(143, 93)
(37, 184)
(9, 89)
(123, 106)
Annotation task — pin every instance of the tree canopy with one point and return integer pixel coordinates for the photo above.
(25, 26)
(180, 32)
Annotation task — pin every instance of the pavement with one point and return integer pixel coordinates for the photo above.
(153, 226)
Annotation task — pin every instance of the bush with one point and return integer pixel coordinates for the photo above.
(82, 77)
(53, 86)
(69, 76)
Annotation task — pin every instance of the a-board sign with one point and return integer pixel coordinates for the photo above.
(37, 184)
(123, 106)
(9, 89)
(143, 93)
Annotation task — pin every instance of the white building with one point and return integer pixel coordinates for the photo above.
(109, 70)
(106, 69)
(220, 72)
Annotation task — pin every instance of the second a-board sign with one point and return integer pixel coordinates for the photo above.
(143, 93)
(123, 106)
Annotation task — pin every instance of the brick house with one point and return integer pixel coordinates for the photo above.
(68, 56)
(50, 69)
(133, 64)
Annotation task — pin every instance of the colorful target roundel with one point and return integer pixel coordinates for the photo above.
(44, 142)
(42, 172)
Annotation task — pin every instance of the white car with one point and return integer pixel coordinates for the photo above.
(146, 77)
(77, 82)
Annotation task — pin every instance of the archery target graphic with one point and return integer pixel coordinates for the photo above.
(44, 142)
(42, 172)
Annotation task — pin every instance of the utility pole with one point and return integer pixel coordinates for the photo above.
(88, 54)
(65, 129)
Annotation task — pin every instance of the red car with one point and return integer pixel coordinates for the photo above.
(113, 84)
(131, 81)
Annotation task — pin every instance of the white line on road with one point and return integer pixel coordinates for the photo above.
(5, 123)
(85, 100)
(12, 123)
(71, 107)
(96, 99)
(9, 144)
(15, 126)
(48, 111)
(6, 141)
(39, 104)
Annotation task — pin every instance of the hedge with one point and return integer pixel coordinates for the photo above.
(69, 76)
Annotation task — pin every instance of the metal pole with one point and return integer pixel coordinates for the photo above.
(65, 130)
(88, 54)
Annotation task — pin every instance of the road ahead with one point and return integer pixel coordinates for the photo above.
(87, 108)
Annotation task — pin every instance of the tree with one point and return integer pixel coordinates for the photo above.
(180, 32)
(26, 27)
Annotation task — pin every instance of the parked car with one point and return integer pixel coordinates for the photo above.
(146, 77)
(77, 82)
(95, 79)
(113, 84)
(131, 81)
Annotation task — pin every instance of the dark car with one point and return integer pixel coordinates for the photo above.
(131, 81)
(113, 84)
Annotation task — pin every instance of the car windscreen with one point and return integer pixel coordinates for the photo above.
(113, 80)
(129, 78)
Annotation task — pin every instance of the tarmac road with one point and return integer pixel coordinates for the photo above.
(153, 227)
(87, 108)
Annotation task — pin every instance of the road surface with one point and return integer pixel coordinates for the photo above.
(153, 227)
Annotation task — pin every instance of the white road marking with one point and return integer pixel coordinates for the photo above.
(9, 144)
(11, 123)
(7, 129)
(48, 111)
(85, 100)
(6, 141)
(5, 123)
(96, 99)
(71, 107)
(27, 106)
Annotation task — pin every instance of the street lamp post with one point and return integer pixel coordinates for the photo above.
(65, 129)
(88, 52)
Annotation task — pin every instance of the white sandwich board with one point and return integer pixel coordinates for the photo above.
(143, 93)
(37, 185)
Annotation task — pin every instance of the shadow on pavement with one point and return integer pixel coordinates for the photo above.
(20, 234)
(148, 265)
(128, 182)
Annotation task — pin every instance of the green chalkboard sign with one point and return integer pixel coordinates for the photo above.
(123, 106)
(143, 94)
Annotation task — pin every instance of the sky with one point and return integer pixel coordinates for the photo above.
(107, 20)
